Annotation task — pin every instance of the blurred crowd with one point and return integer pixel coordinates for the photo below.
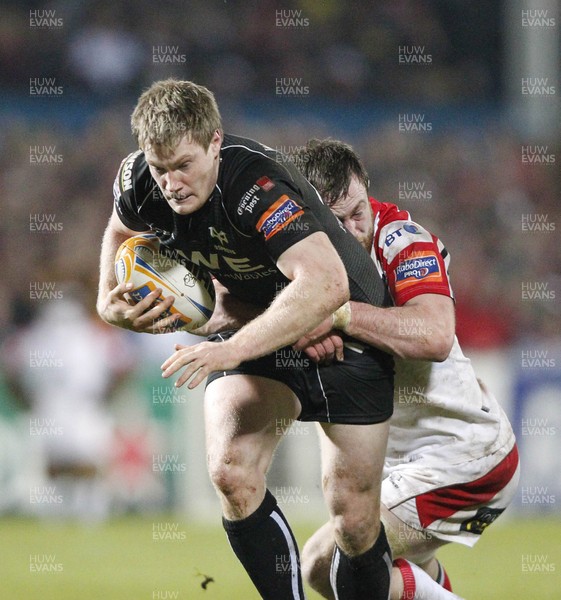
(339, 49)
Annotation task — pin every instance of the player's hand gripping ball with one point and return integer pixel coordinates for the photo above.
(142, 261)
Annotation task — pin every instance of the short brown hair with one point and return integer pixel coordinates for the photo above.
(329, 166)
(171, 109)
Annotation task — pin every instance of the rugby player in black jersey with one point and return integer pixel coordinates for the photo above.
(238, 210)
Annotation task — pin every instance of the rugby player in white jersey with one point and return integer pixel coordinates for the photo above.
(452, 464)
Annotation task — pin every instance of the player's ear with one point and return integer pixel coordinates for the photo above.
(216, 142)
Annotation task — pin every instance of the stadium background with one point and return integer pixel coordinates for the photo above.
(454, 108)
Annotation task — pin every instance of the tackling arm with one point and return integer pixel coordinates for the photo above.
(423, 328)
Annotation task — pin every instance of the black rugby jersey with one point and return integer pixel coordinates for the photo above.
(261, 205)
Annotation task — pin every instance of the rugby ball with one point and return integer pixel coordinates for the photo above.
(144, 262)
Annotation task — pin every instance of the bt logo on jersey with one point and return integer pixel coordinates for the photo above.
(408, 227)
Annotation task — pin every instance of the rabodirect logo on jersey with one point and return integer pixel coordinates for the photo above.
(278, 216)
(421, 266)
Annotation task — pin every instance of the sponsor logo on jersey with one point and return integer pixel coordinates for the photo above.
(126, 173)
(397, 233)
(411, 228)
(219, 235)
(213, 262)
(265, 183)
(420, 266)
(278, 216)
(481, 520)
(249, 200)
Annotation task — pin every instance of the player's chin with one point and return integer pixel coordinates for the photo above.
(185, 206)
(366, 241)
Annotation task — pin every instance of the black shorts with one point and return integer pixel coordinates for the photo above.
(358, 390)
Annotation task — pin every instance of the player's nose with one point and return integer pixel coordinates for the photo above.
(172, 182)
(350, 224)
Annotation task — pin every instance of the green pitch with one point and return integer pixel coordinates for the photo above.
(143, 558)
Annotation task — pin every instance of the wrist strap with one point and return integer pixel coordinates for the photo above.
(342, 317)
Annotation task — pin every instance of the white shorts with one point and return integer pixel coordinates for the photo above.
(454, 503)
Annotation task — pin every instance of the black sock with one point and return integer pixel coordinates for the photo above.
(363, 577)
(264, 544)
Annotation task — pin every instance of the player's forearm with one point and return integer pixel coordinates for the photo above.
(410, 332)
(107, 280)
(299, 308)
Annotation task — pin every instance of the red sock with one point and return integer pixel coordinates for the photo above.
(409, 586)
(443, 578)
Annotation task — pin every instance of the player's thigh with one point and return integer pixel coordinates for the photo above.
(416, 545)
(242, 413)
(352, 462)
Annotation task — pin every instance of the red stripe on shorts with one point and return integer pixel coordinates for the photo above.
(444, 502)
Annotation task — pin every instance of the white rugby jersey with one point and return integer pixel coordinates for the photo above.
(440, 409)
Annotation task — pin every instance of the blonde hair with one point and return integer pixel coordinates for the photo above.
(172, 109)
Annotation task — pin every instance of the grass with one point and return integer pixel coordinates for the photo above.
(121, 560)
(520, 559)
